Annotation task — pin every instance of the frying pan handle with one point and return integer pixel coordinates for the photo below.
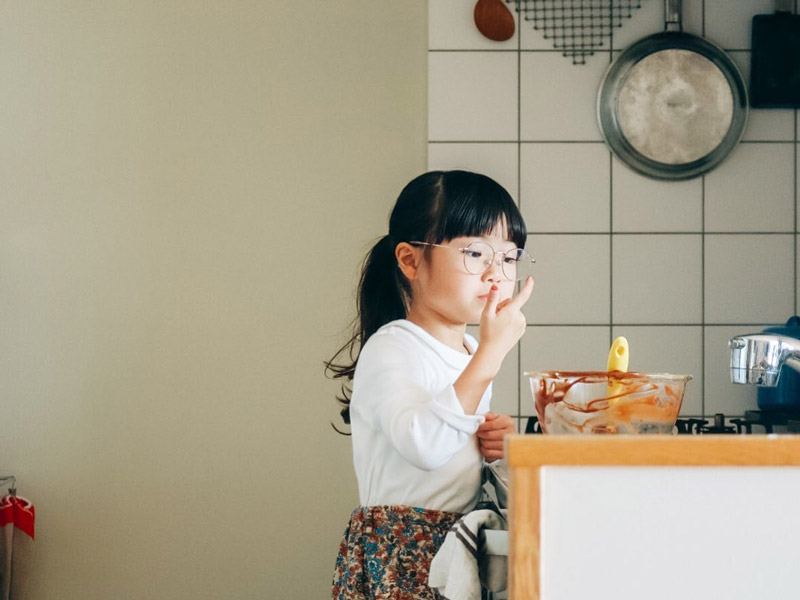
(672, 15)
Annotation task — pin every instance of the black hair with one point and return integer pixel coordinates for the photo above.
(435, 207)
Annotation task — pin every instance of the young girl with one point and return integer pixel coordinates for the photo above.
(421, 387)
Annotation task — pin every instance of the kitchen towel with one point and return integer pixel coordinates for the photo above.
(17, 517)
(461, 566)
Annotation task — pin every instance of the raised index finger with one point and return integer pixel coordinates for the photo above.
(524, 294)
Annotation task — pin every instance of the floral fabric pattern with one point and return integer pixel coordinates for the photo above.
(387, 551)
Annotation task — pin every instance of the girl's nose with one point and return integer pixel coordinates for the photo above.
(495, 271)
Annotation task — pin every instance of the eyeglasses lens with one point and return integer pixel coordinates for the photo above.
(516, 264)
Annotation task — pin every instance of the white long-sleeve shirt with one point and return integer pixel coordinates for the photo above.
(412, 442)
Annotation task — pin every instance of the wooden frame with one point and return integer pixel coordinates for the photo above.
(528, 453)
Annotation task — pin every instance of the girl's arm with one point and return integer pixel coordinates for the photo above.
(502, 326)
(392, 393)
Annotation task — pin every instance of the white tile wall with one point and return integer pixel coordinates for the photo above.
(677, 267)
(753, 190)
(572, 279)
(557, 197)
(451, 26)
(557, 98)
(472, 96)
(657, 278)
(728, 21)
(749, 278)
(644, 204)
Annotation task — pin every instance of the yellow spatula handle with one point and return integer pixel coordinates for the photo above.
(618, 355)
(617, 361)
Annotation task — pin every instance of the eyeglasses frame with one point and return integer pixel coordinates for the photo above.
(495, 253)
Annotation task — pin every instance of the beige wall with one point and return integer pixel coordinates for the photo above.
(186, 189)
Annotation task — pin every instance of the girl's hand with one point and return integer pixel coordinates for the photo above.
(503, 324)
(490, 435)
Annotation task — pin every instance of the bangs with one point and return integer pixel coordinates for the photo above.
(473, 205)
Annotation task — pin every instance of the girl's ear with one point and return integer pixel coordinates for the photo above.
(408, 259)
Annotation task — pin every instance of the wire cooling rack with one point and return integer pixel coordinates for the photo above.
(576, 27)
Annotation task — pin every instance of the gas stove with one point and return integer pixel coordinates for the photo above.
(753, 422)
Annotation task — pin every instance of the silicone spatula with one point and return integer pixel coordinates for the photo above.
(617, 361)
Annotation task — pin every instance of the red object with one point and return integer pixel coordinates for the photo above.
(494, 20)
(18, 512)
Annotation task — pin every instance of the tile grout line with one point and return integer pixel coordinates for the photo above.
(532, 141)
(519, 188)
(624, 324)
(537, 50)
(703, 266)
(610, 214)
(610, 249)
(703, 295)
(703, 17)
(707, 232)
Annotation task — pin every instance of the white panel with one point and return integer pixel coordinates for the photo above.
(749, 278)
(663, 533)
(555, 196)
(657, 279)
(645, 204)
(676, 350)
(753, 190)
(572, 283)
(472, 96)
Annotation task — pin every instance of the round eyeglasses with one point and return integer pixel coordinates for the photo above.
(516, 264)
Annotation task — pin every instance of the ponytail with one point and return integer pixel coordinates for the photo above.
(383, 292)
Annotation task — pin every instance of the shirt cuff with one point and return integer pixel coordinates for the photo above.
(446, 406)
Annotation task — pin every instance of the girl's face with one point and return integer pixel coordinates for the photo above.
(447, 291)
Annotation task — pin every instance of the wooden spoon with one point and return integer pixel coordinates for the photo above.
(494, 20)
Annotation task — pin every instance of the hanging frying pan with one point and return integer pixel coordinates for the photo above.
(673, 105)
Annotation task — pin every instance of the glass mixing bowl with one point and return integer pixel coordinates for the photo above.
(607, 402)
